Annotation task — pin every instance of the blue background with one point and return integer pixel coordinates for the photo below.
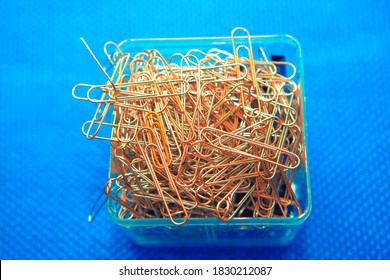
(50, 175)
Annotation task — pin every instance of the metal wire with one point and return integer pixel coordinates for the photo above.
(200, 134)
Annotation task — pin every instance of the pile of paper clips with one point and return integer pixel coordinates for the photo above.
(199, 134)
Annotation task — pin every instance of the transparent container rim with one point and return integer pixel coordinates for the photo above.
(219, 38)
(243, 221)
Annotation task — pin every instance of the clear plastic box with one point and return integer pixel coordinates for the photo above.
(239, 231)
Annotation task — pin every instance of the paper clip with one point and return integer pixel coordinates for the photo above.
(203, 133)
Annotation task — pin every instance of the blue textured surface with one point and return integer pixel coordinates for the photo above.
(51, 175)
